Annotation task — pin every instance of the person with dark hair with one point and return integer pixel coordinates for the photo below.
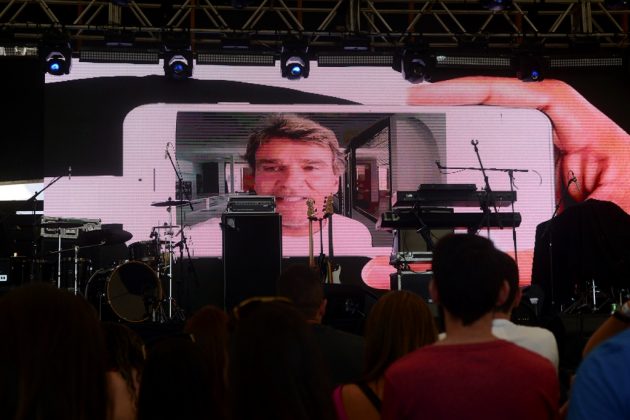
(601, 387)
(209, 328)
(125, 360)
(399, 323)
(536, 339)
(482, 376)
(342, 351)
(276, 369)
(177, 383)
(294, 159)
(52, 356)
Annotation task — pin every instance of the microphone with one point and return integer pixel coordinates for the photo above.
(437, 163)
(474, 142)
(573, 179)
(69, 173)
(166, 150)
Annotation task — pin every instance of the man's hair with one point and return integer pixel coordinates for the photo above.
(509, 272)
(296, 128)
(303, 286)
(467, 276)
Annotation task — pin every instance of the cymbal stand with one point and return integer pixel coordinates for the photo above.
(173, 310)
(76, 269)
(170, 265)
(59, 258)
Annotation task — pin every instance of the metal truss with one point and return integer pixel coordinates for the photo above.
(324, 23)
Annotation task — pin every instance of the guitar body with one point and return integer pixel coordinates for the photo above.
(329, 271)
(333, 271)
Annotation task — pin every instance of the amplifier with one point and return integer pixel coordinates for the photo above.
(252, 204)
(417, 283)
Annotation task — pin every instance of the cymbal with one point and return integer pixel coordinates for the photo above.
(166, 227)
(104, 237)
(61, 225)
(170, 203)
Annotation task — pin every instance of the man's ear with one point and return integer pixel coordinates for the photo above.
(435, 297)
(504, 292)
(517, 298)
(322, 308)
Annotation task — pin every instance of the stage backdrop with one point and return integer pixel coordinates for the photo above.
(124, 129)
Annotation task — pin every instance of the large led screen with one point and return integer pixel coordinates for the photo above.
(129, 135)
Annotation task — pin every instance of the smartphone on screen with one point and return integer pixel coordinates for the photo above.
(375, 153)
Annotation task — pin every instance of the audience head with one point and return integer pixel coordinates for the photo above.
(209, 327)
(177, 383)
(276, 368)
(467, 277)
(509, 271)
(125, 354)
(398, 323)
(303, 286)
(52, 356)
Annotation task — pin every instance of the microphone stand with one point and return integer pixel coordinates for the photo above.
(183, 244)
(549, 229)
(510, 172)
(423, 230)
(486, 200)
(33, 198)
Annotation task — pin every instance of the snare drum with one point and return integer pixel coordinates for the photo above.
(130, 292)
(145, 251)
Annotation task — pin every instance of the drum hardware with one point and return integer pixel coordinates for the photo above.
(76, 261)
(131, 292)
(173, 312)
(590, 299)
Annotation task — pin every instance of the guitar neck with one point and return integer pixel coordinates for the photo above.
(331, 253)
(321, 238)
(311, 258)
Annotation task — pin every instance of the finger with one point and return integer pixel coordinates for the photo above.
(577, 122)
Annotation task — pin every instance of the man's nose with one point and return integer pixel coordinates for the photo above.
(294, 178)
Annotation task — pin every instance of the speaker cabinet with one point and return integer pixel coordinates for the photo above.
(252, 255)
(417, 283)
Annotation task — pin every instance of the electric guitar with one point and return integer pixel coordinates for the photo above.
(333, 270)
(311, 213)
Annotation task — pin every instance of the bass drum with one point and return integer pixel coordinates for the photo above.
(129, 292)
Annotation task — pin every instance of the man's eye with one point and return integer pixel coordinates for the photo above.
(310, 168)
(272, 168)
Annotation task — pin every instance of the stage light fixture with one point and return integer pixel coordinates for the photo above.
(530, 67)
(178, 65)
(416, 63)
(496, 5)
(56, 58)
(294, 60)
(616, 4)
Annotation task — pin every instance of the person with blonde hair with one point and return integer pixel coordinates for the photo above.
(399, 323)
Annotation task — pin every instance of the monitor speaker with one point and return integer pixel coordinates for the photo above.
(412, 281)
(417, 283)
(252, 255)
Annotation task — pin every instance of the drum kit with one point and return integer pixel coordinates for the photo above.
(129, 289)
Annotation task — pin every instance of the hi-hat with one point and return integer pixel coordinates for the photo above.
(170, 203)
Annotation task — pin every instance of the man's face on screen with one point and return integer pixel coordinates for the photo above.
(294, 171)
